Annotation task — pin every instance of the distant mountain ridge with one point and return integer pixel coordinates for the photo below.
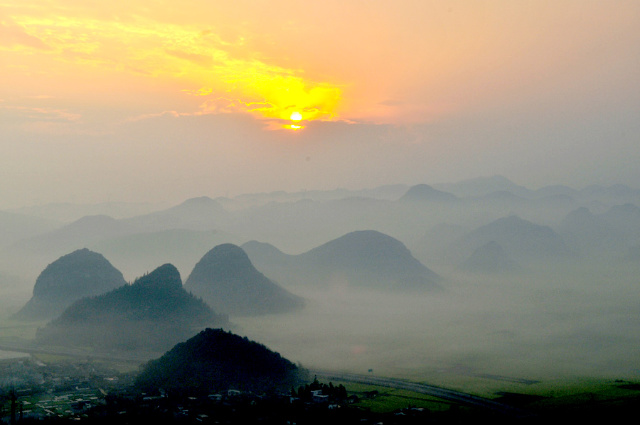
(155, 312)
(295, 221)
(227, 280)
(482, 186)
(490, 258)
(201, 213)
(426, 193)
(523, 240)
(613, 231)
(81, 233)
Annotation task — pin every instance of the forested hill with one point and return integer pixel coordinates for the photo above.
(155, 312)
(215, 360)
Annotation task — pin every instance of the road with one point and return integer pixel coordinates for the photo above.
(443, 393)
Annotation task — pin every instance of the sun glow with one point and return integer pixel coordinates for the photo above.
(224, 77)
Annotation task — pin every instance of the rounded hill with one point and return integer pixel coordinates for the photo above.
(82, 273)
(215, 360)
(370, 258)
(227, 280)
(153, 313)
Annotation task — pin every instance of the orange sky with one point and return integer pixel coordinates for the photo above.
(79, 69)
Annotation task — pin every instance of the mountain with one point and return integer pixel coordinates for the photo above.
(482, 186)
(589, 233)
(426, 193)
(202, 213)
(432, 244)
(306, 223)
(617, 193)
(66, 212)
(153, 313)
(82, 273)
(489, 258)
(138, 252)
(215, 360)
(523, 240)
(227, 280)
(80, 233)
(367, 259)
(386, 192)
(264, 252)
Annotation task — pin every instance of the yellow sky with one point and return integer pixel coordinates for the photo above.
(83, 68)
(409, 61)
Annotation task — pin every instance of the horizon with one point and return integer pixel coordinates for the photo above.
(131, 102)
(439, 186)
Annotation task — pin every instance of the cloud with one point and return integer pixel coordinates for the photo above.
(12, 35)
(44, 114)
(192, 59)
(199, 59)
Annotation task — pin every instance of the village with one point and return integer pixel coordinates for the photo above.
(33, 389)
(89, 391)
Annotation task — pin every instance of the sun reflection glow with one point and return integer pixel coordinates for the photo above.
(226, 77)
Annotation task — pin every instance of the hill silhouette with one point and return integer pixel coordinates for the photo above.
(367, 259)
(143, 251)
(202, 213)
(426, 193)
(81, 233)
(483, 185)
(215, 360)
(589, 233)
(153, 313)
(524, 241)
(227, 280)
(79, 274)
(490, 258)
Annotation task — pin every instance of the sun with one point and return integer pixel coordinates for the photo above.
(295, 116)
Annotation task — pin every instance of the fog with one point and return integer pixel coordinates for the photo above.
(552, 325)
(568, 310)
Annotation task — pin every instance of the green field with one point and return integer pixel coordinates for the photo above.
(583, 398)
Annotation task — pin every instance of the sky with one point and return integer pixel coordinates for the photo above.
(160, 101)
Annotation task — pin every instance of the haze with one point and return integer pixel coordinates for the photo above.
(135, 101)
(496, 141)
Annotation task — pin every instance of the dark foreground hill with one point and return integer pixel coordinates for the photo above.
(227, 280)
(82, 273)
(215, 360)
(366, 259)
(153, 313)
